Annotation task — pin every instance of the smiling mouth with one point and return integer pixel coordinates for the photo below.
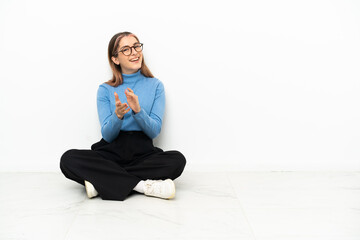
(134, 60)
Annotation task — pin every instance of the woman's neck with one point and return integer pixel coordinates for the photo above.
(131, 77)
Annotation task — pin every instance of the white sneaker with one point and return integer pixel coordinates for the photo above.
(90, 190)
(160, 188)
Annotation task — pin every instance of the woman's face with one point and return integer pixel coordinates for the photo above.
(131, 63)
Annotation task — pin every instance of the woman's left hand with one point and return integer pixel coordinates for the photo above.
(132, 100)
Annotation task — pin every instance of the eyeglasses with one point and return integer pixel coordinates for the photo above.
(138, 47)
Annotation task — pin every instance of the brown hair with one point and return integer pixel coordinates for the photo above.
(117, 79)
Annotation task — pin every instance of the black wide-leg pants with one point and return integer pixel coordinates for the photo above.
(116, 168)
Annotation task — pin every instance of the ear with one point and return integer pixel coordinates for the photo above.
(115, 60)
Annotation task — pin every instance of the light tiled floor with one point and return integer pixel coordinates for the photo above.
(235, 205)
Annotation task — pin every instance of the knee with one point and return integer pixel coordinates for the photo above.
(65, 159)
(179, 162)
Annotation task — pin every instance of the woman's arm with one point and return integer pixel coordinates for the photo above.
(109, 121)
(151, 123)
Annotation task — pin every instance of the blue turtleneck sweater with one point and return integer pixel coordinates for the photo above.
(151, 95)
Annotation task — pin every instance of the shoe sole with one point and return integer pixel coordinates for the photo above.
(87, 188)
(173, 184)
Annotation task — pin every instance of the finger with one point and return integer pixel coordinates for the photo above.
(117, 97)
(127, 95)
(130, 96)
(127, 110)
(118, 103)
(129, 92)
(123, 106)
(119, 106)
(124, 111)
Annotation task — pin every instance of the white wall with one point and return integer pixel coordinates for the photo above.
(250, 85)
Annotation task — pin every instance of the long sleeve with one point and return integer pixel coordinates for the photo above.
(110, 123)
(151, 123)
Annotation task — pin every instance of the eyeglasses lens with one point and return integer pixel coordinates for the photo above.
(127, 50)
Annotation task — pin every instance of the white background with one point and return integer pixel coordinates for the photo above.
(250, 85)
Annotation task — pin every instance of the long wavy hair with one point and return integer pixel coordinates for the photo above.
(114, 43)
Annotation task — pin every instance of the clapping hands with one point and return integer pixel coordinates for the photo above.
(123, 108)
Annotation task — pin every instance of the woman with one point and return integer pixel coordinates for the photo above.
(130, 108)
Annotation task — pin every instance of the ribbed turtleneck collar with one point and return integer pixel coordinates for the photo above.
(131, 77)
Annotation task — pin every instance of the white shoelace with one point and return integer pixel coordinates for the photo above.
(153, 188)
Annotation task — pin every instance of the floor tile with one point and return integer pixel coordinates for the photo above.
(308, 223)
(152, 222)
(297, 189)
(37, 206)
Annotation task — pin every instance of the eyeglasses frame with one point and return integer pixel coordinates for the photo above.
(131, 48)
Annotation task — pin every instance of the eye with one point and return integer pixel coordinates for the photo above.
(126, 50)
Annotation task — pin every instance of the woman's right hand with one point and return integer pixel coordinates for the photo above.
(121, 108)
